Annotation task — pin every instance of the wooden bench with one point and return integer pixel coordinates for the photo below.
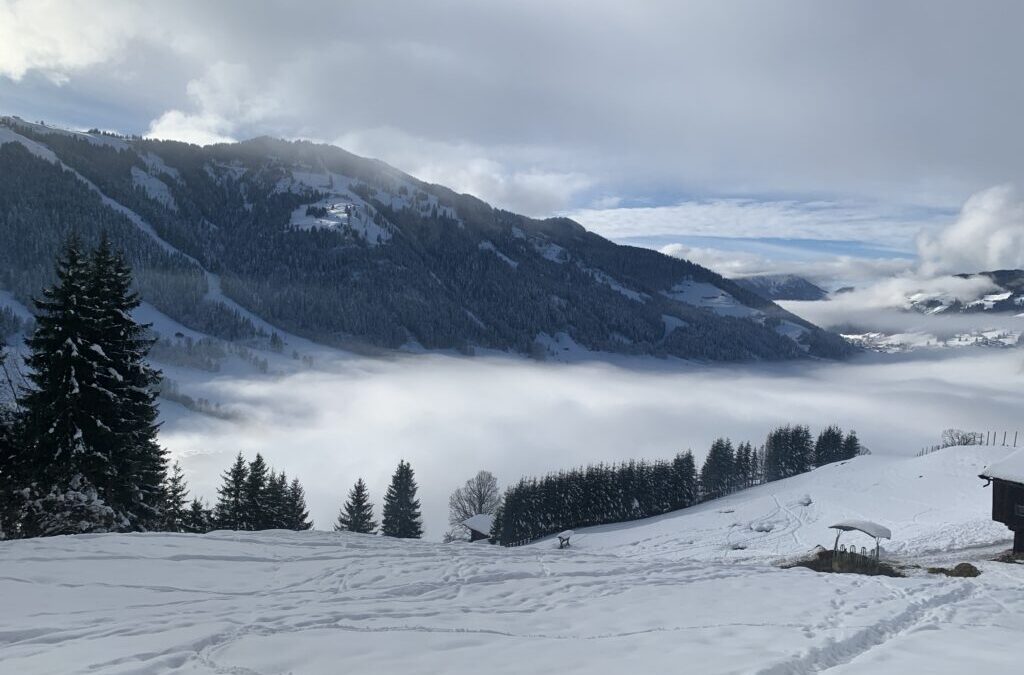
(563, 539)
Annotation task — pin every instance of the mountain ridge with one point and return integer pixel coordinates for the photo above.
(342, 249)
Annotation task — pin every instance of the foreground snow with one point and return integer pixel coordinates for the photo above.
(280, 602)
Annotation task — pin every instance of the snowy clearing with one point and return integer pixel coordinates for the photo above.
(625, 598)
(709, 296)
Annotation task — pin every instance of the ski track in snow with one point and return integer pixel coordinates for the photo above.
(649, 596)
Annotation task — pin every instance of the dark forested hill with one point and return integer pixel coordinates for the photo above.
(347, 250)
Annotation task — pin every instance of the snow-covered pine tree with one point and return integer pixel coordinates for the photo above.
(131, 386)
(357, 513)
(401, 508)
(717, 472)
(802, 448)
(498, 524)
(684, 473)
(230, 513)
(198, 518)
(254, 496)
(175, 507)
(851, 446)
(297, 512)
(64, 470)
(829, 446)
(275, 500)
(778, 451)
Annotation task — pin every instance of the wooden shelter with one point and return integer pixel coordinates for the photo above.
(850, 558)
(1007, 479)
(479, 526)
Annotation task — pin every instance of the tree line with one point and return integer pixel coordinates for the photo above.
(600, 494)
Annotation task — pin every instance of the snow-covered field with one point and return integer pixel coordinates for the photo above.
(662, 595)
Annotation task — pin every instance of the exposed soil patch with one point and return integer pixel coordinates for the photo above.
(821, 561)
(963, 570)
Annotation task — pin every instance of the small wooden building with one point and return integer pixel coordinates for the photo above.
(1007, 479)
(479, 526)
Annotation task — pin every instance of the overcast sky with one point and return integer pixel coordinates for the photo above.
(748, 118)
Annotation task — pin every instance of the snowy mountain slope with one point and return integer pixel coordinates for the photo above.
(932, 504)
(619, 601)
(344, 250)
(160, 194)
(1003, 293)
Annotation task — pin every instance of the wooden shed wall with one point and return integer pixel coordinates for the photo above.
(1008, 504)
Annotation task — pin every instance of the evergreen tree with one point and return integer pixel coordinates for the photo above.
(743, 466)
(357, 513)
(254, 493)
(131, 385)
(297, 513)
(64, 471)
(198, 519)
(851, 446)
(8, 503)
(716, 476)
(275, 500)
(801, 449)
(276, 343)
(829, 447)
(175, 501)
(231, 512)
(684, 475)
(498, 524)
(401, 508)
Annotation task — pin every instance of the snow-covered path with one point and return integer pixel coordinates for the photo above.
(626, 599)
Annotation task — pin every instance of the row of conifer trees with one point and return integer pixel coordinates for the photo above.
(600, 494)
(401, 512)
(252, 496)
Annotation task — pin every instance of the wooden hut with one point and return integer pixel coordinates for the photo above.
(1007, 479)
(479, 526)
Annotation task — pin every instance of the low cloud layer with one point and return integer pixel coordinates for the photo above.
(450, 417)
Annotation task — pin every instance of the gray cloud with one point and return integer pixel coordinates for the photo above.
(911, 102)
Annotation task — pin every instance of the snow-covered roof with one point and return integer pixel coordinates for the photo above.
(866, 526)
(1011, 468)
(481, 523)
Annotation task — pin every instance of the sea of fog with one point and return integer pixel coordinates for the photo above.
(451, 416)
